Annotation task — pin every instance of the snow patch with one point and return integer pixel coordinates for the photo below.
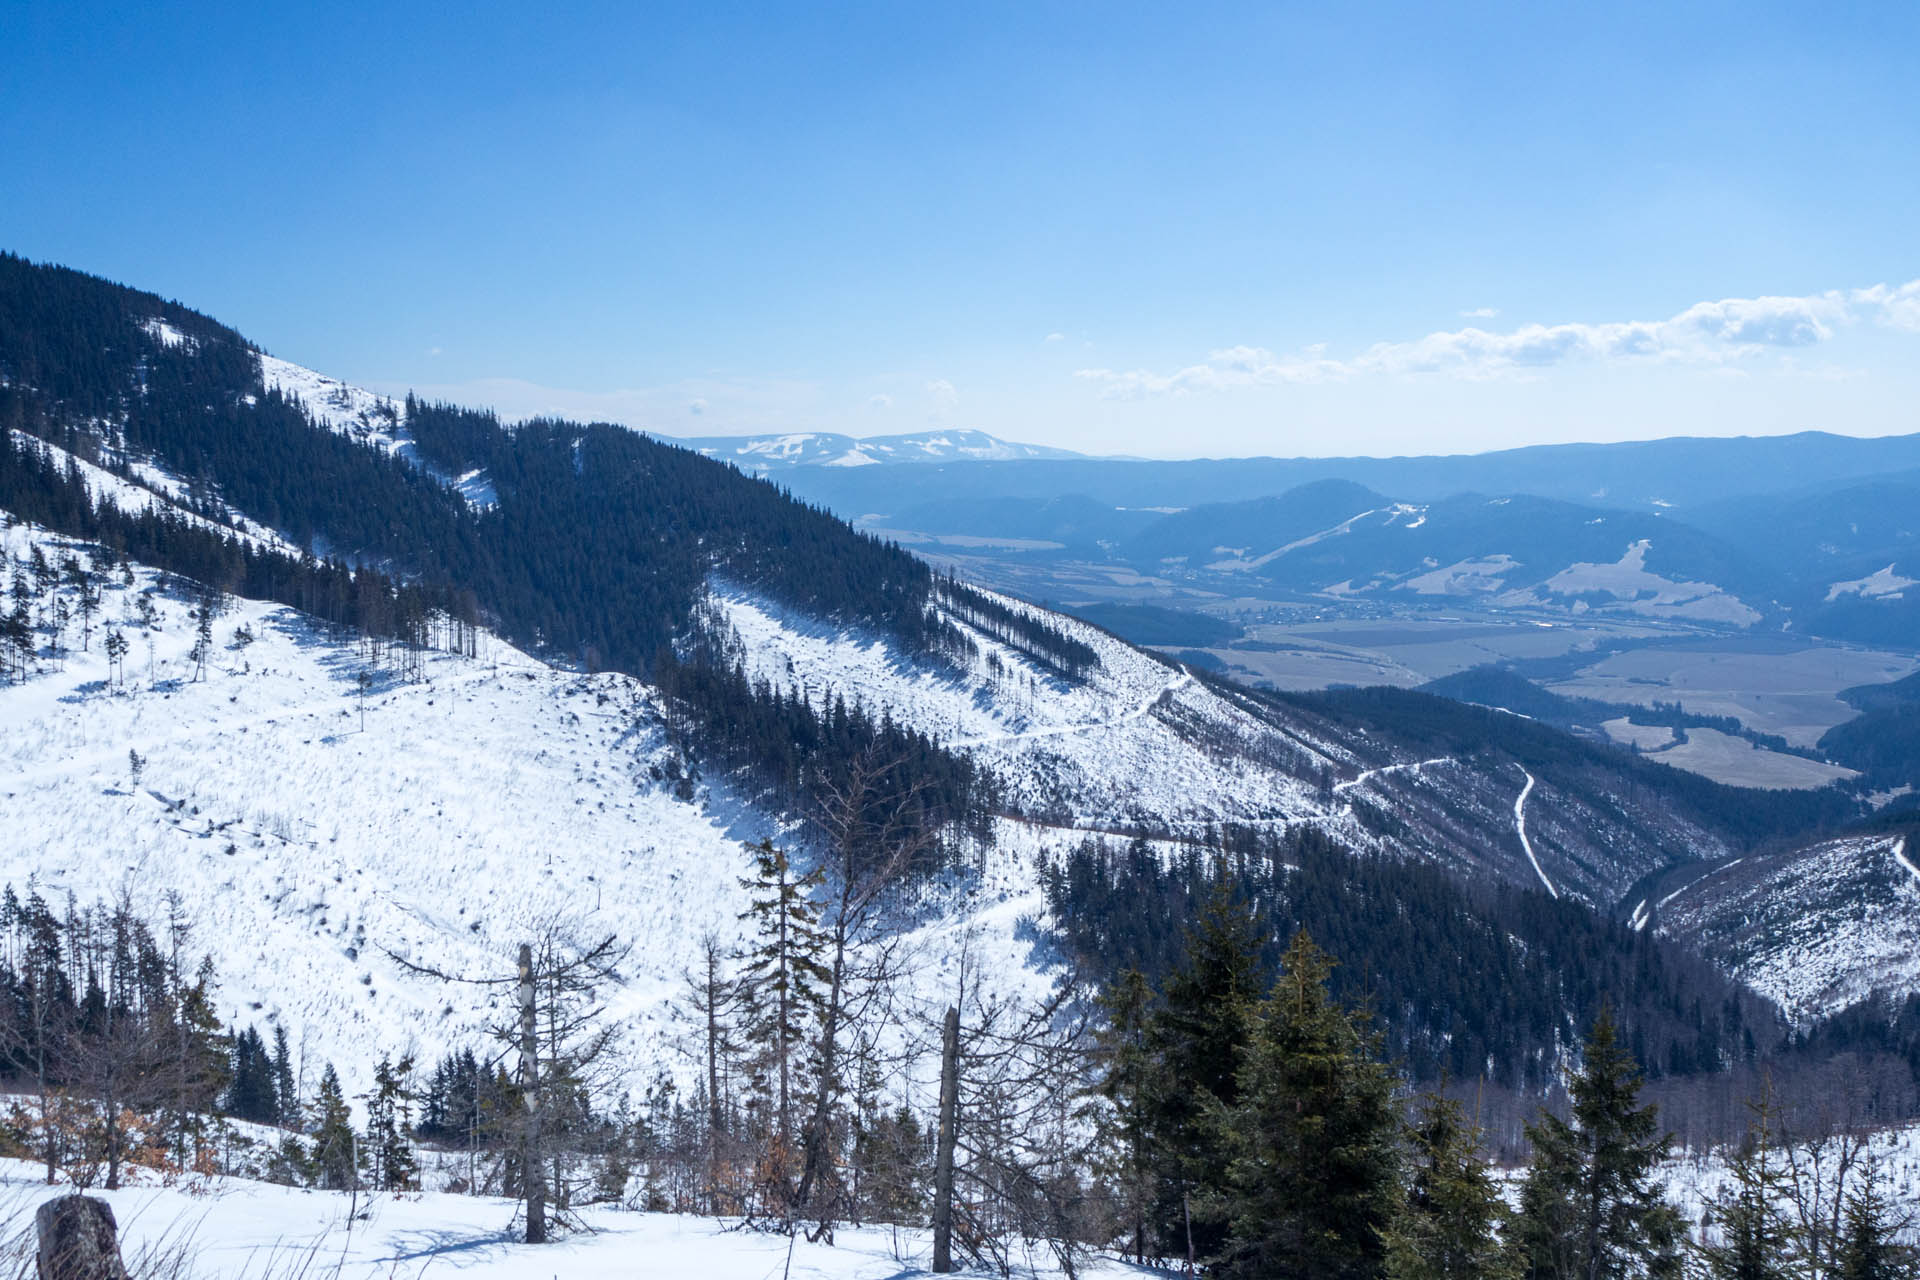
(1883, 585)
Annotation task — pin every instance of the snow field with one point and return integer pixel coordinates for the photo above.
(1116, 747)
(233, 1229)
(1815, 930)
(493, 799)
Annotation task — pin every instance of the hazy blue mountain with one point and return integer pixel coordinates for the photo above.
(782, 452)
(1682, 472)
(1075, 521)
(1254, 528)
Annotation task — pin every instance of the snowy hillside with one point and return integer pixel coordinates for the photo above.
(1103, 752)
(1814, 929)
(497, 794)
(366, 417)
(1142, 743)
(477, 805)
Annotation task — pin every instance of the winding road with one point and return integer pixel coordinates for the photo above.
(1520, 825)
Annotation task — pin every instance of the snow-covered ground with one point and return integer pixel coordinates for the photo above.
(352, 411)
(232, 1229)
(477, 806)
(368, 417)
(154, 489)
(1816, 929)
(1138, 739)
(238, 1229)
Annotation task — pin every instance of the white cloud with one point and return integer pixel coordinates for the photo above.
(1480, 313)
(1056, 337)
(943, 391)
(880, 402)
(697, 407)
(1706, 333)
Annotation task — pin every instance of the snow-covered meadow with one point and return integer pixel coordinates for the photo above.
(234, 1229)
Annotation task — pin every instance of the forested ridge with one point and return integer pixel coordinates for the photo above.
(1467, 982)
(596, 550)
(1426, 722)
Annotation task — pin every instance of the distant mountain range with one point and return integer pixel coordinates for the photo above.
(1813, 533)
(1681, 472)
(831, 449)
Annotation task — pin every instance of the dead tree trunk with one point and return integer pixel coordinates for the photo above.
(943, 1149)
(78, 1240)
(533, 1173)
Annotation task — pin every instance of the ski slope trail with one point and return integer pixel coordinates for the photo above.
(1088, 726)
(1520, 826)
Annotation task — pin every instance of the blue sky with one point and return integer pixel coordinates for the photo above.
(1162, 230)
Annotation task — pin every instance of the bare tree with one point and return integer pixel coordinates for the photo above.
(873, 831)
(552, 1022)
(1821, 1175)
(1010, 1148)
(715, 998)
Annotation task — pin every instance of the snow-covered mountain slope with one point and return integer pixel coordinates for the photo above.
(352, 411)
(497, 794)
(831, 449)
(1143, 744)
(366, 417)
(148, 486)
(475, 807)
(1814, 929)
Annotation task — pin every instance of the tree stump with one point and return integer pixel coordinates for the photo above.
(79, 1240)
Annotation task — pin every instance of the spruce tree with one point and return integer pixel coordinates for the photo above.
(781, 982)
(286, 1095)
(250, 1091)
(390, 1161)
(1869, 1245)
(1314, 1177)
(335, 1149)
(1128, 1082)
(1747, 1235)
(1198, 1038)
(1446, 1228)
(1588, 1208)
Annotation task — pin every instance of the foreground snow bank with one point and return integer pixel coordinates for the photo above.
(227, 1228)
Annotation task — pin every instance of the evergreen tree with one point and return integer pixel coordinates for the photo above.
(1869, 1247)
(1446, 1228)
(1127, 1082)
(335, 1149)
(781, 982)
(251, 1094)
(1589, 1209)
(1313, 1179)
(1747, 1235)
(286, 1094)
(202, 638)
(1198, 1038)
(391, 1164)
